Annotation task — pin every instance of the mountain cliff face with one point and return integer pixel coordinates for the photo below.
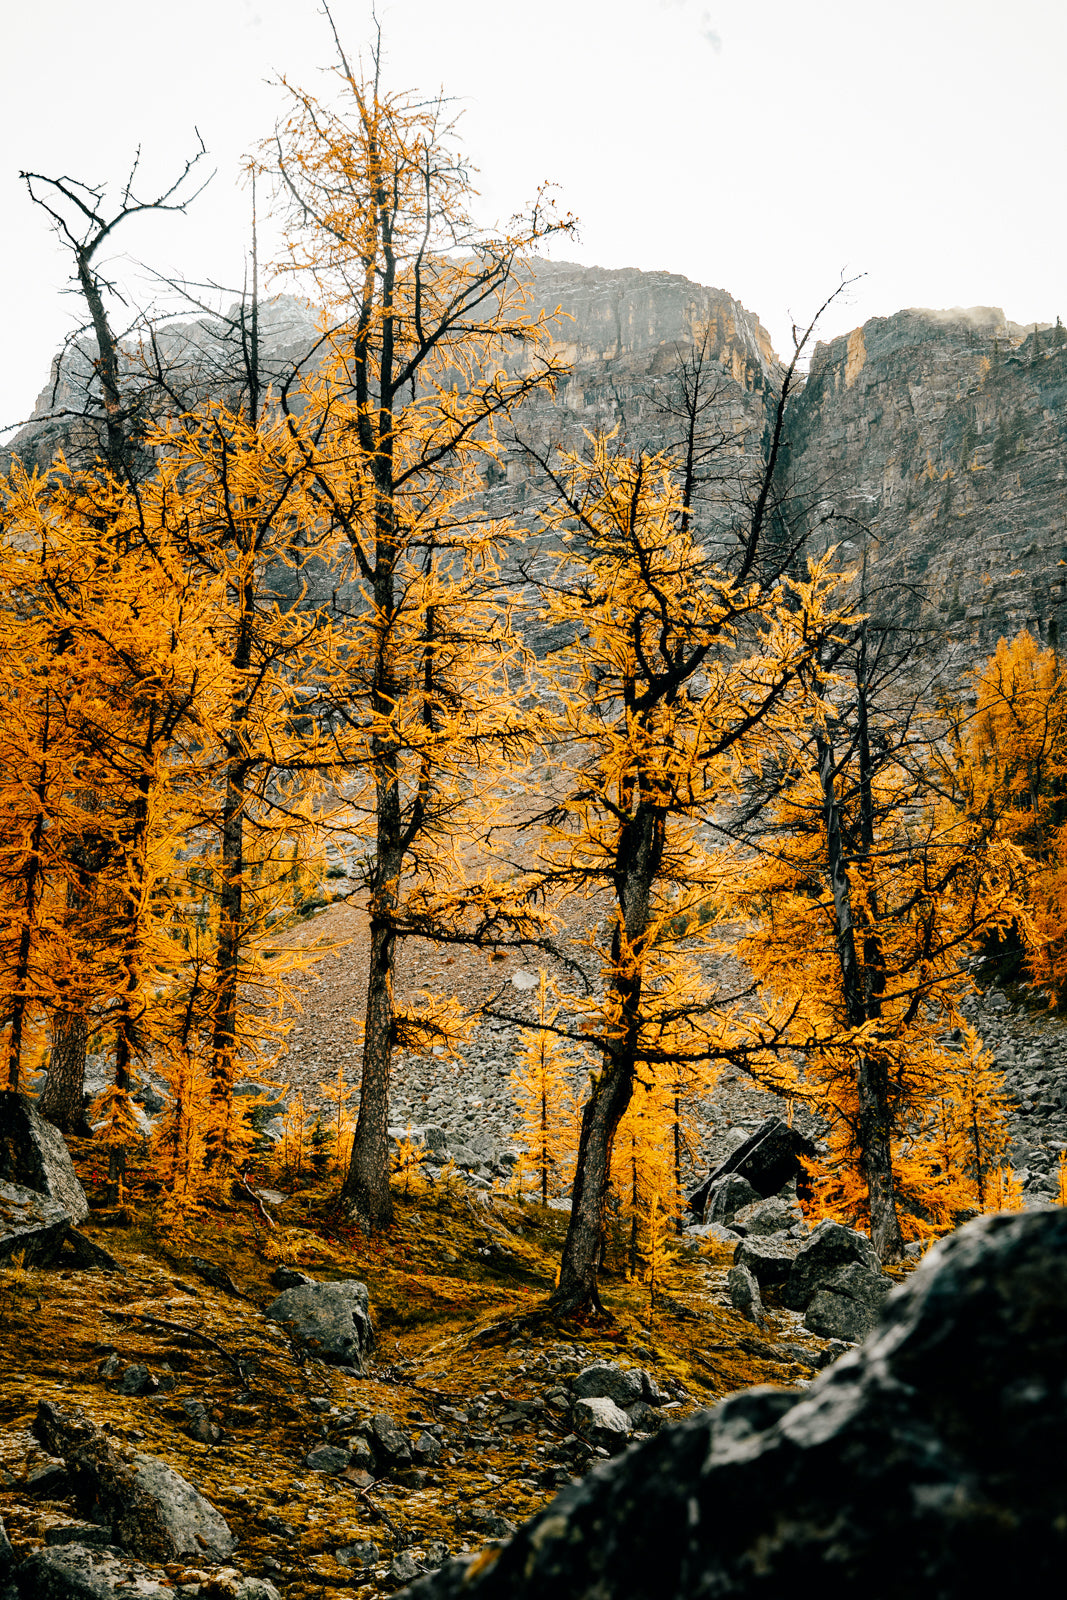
(941, 435)
(624, 335)
(944, 434)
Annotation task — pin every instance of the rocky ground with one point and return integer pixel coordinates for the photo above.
(333, 1477)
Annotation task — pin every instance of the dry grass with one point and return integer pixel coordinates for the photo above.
(450, 1284)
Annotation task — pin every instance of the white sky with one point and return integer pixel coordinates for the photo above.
(761, 147)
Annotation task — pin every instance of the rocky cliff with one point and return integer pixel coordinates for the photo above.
(941, 435)
(944, 435)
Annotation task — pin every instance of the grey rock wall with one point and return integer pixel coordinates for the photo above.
(945, 434)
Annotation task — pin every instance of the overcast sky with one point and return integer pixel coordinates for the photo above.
(762, 148)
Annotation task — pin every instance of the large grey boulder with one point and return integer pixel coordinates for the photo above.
(626, 1386)
(31, 1224)
(830, 1247)
(770, 1261)
(601, 1422)
(33, 1154)
(726, 1196)
(149, 1507)
(82, 1572)
(699, 1233)
(607, 1381)
(744, 1294)
(388, 1441)
(331, 1319)
(768, 1160)
(328, 1458)
(848, 1304)
(767, 1217)
(927, 1463)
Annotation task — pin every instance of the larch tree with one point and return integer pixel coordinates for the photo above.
(869, 883)
(398, 422)
(124, 665)
(681, 674)
(1011, 753)
(230, 492)
(115, 401)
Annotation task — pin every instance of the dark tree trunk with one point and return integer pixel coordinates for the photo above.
(62, 1103)
(366, 1193)
(577, 1294)
(637, 863)
(20, 977)
(875, 1116)
(229, 946)
(876, 1158)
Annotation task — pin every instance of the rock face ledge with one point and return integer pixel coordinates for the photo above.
(148, 1507)
(928, 1462)
(33, 1154)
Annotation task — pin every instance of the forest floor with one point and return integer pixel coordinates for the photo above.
(444, 1281)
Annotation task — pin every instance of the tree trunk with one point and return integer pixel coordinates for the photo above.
(844, 929)
(62, 1103)
(876, 1158)
(366, 1193)
(228, 947)
(875, 1120)
(637, 862)
(576, 1294)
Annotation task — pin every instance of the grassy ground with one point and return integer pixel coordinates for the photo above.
(447, 1282)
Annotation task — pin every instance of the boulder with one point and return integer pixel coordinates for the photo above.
(831, 1247)
(360, 1555)
(767, 1217)
(403, 1568)
(607, 1381)
(848, 1304)
(49, 1480)
(727, 1196)
(390, 1443)
(770, 1261)
(284, 1277)
(331, 1319)
(426, 1449)
(7, 1555)
(601, 1422)
(137, 1381)
(744, 1294)
(201, 1425)
(328, 1458)
(769, 1159)
(31, 1224)
(34, 1156)
(928, 1462)
(149, 1507)
(492, 1524)
(81, 1572)
(708, 1232)
(643, 1418)
(86, 1533)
